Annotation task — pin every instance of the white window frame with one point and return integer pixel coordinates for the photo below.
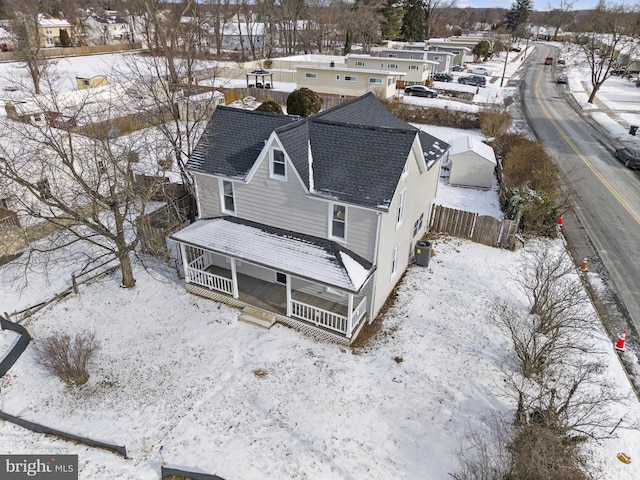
(337, 77)
(223, 196)
(400, 211)
(392, 65)
(390, 80)
(394, 260)
(414, 67)
(359, 63)
(350, 78)
(272, 163)
(375, 81)
(332, 219)
(310, 75)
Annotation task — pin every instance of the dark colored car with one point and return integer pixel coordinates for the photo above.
(562, 78)
(420, 91)
(457, 68)
(476, 80)
(629, 156)
(442, 77)
(516, 49)
(548, 61)
(561, 61)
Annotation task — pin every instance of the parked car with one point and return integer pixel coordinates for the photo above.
(457, 68)
(420, 91)
(443, 77)
(476, 80)
(516, 49)
(562, 78)
(479, 71)
(548, 61)
(629, 156)
(561, 61)
(6, 47)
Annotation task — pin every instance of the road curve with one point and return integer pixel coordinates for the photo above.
(604, 194)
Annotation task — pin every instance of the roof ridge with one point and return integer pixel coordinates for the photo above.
(348, 102)
(410, 128)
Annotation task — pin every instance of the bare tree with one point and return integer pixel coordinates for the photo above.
(217, 14)
(607, 38)
(25, 26)
(81, 187)
(560, 15)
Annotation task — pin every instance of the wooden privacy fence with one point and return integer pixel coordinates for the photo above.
(479, 228)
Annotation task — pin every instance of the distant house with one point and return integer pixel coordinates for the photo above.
(106, 29)
(343, 81)
(472, 163)
(50, 28)
(91, 82)
(308, 222)
(416, 69)
(243, 36)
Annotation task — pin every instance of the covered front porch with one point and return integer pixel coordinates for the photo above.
(292, 296)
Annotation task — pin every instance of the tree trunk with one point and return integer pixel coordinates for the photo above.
(592, 97)
(127, 272)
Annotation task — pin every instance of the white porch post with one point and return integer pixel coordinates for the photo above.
(288, 296)
(234, 278)
(350, 316)
(185, 263)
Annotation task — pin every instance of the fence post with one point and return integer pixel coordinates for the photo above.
(74, 283)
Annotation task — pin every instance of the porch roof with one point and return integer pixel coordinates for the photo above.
(303, 256)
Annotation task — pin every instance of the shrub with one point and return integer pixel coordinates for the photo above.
(303, 102)
(442, 117)
(494, 121)
(68, 358)
(270, 106)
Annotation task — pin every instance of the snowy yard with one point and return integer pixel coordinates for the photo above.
(181, 372)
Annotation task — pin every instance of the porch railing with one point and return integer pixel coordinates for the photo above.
(319, 316)
(359, 312)
(210, 280)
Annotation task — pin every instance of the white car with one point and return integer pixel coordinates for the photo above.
(480, 71)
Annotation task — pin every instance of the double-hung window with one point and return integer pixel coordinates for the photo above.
(338, 221)
(278, 165)
(400, 212)
(228, 197)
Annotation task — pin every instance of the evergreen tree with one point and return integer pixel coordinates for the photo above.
(413, 21)
(391, 22)
(518, 16)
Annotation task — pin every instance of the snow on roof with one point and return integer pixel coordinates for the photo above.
(343, 67)
(297, 256)
(467, 143)
(53, 22)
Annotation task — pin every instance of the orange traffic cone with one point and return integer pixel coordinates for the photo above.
(621, 340)
(560, 221)
(583, 267)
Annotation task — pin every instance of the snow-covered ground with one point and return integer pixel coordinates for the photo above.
(180, 372)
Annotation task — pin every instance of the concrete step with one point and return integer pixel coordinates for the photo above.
(259, 318)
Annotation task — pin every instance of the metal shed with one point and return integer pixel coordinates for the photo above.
(472, 163)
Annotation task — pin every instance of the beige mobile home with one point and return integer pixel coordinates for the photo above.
(416, 70)
(347, 82)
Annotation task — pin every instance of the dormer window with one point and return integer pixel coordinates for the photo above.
(338, 221)
(277, 164)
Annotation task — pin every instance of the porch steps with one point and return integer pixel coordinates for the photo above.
(259, 318)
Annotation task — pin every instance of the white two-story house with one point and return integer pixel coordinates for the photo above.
(311, 221)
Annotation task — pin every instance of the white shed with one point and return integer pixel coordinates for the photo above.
(472, 163)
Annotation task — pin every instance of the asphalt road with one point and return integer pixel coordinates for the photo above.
(604, 224)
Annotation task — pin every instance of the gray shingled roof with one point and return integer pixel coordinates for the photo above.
(358, 149)
(364, 110)
(232, 141)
